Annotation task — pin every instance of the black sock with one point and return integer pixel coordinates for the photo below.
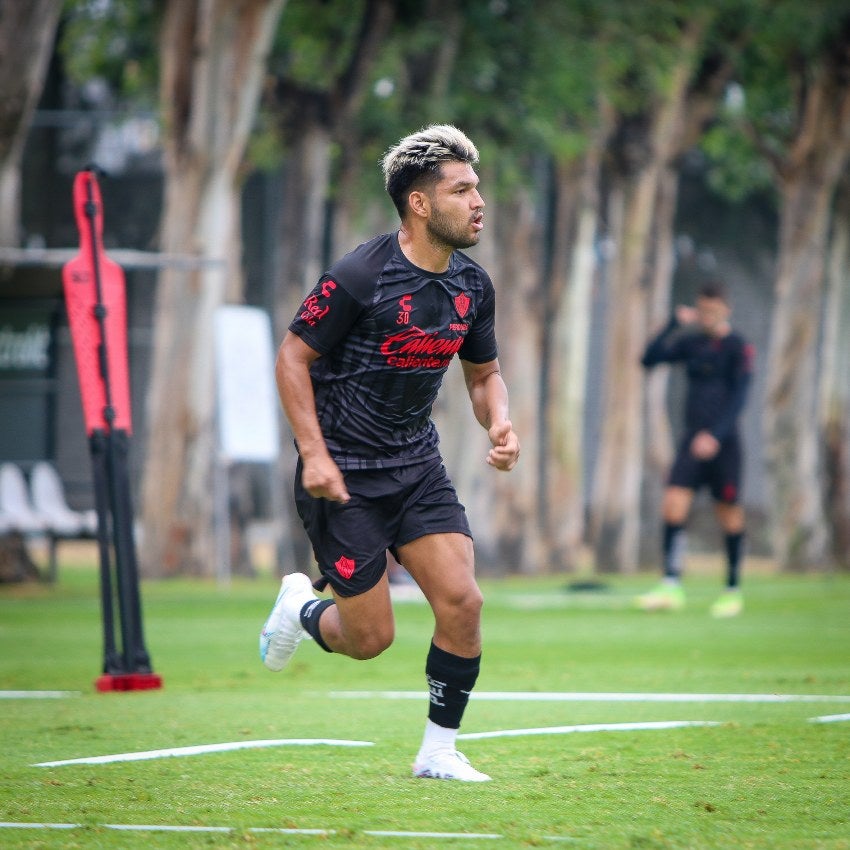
(450, 680)
(673, 546)
(310, 615)
(734, 548)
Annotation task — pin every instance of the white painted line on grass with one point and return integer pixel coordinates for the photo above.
(38, 694)
(206, 748)
(8, 825)
(543, 696)
(129, 827)
(164, 827)
(383, 833)
(830, 718)
(589, 727)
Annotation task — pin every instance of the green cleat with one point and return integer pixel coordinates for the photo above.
(728, 604)
(663, 597)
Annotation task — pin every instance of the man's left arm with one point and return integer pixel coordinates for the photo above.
(489, 397)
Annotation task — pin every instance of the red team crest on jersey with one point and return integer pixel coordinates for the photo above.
(462, 304)
(345, 566)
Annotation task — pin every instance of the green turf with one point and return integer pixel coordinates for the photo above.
(765, 777)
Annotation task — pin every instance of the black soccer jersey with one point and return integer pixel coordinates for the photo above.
(386, 332)
(718, 371)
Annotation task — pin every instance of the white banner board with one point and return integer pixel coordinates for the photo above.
(248, 405)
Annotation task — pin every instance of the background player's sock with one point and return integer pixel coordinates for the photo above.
(673, 545)
(734, 549)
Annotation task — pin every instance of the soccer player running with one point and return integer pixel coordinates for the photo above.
(358, 372)
(718, 363)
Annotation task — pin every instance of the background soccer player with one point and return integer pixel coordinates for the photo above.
(358, 372)
(718, 363)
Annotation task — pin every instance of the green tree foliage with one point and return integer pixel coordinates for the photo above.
(760, 115)
(114, 41)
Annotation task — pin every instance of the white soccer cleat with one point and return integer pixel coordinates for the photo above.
(447, 764)
(283, 630)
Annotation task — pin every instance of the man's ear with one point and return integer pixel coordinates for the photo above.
(419, 204)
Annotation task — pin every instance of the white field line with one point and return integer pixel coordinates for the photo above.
(8, 825)
(38, 694)
(588, 727)
(542, 696)
(830, 718)
(128, 827)
(206, 748)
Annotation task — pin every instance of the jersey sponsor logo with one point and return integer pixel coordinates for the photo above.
(414, 348)
(462, 303)
(345, 566)
(314, 309)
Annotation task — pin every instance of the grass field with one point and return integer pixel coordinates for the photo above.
(764, 776)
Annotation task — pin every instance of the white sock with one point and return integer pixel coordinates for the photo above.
(437, 738)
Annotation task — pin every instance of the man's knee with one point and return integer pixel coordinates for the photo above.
(676, 505)
(371, 642)
(730, 517)
(462, 604)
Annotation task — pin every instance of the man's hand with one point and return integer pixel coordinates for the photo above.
(505, 452)
(322, 479)
(704, 445)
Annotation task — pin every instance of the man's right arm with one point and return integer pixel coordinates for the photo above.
(661, 348)
(320, 476)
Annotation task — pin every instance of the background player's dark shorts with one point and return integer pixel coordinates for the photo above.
(721, 474)
(388, 508)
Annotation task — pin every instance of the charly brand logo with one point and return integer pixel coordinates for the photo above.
(406, 308)
(461, 304)
(345, 566)
(24, 349)
(414, 348)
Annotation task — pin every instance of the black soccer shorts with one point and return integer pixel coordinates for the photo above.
(721, 474)
(388, 508)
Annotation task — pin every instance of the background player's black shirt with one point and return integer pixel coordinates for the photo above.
(386, 332)
(718, 371)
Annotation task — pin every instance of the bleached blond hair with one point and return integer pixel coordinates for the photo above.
(416, 160)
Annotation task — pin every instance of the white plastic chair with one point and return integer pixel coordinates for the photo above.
(16, 509)
(48, 500)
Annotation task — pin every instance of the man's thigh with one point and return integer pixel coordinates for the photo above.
(443, 565)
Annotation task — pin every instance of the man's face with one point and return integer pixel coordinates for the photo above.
(712, 314)
(456, 216)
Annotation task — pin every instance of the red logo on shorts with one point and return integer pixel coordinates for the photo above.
(345, 566)
(462, 304)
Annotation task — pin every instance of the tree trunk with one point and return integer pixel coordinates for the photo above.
(658, 442)
(566, 321)
(808, 180)
(615, 500)
(641, 206)
(27, 33)
(507, 505)
(213, 55)
(835, 387)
